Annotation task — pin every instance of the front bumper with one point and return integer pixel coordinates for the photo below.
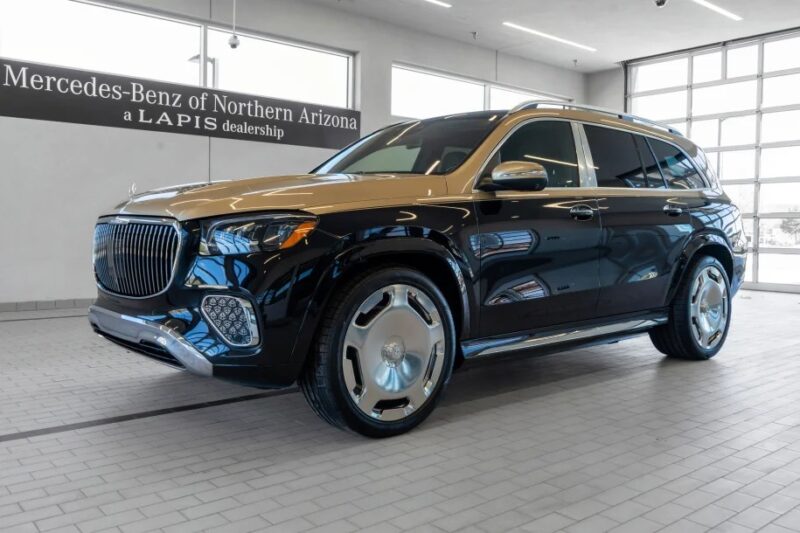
(149, 337)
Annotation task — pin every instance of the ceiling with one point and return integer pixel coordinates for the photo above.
(618, 29)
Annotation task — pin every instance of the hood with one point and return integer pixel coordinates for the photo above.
(313, 193)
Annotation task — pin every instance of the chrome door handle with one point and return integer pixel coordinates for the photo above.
(673, 210)
(582, 212)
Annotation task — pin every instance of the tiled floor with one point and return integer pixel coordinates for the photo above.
(607, 438)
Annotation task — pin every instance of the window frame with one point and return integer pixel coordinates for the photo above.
(714, 153)
(634, 137)
(584, 178)
(586, 172)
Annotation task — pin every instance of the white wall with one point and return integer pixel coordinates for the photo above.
(56, 178)
(606, 89)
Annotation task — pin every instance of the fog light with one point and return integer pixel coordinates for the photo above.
(233, 318)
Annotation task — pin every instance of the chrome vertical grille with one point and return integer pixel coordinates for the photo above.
(135, 257)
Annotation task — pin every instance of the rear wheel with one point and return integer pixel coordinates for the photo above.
(383, 355)
(700, 314)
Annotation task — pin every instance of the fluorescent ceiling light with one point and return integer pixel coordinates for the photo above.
(439, 3)
(714, 7)
(548, 36)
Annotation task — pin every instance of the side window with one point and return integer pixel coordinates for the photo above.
(678, 169)
(549, 143)
(655, 180)
(616, 158)
(701, 161)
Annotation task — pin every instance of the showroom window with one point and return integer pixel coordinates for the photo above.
(324, 77)
(418, 93)
(101, 38)
(741, 103)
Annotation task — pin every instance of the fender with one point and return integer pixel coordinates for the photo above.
(400, 244)
(717, 245)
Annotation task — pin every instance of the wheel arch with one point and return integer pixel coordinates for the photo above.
(707, 244)
(431, 253)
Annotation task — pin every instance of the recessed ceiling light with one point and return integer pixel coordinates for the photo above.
(721, 11)
(548, 36)
(439, 3)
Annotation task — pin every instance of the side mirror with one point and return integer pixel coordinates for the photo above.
(515, 176)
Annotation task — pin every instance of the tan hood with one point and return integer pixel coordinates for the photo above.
(313, 193)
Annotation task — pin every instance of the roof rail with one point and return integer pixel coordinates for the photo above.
(535, 104)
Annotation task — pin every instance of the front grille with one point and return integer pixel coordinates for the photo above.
(135, 258)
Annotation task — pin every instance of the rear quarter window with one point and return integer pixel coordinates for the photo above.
(678, 169)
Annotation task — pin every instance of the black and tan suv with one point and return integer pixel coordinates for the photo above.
(423, 245)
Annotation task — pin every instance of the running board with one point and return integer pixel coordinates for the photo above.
(487, 347)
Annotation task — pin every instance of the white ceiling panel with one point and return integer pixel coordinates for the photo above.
(618, 29)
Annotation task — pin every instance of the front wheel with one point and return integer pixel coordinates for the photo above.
(700, 314)
(383, 355)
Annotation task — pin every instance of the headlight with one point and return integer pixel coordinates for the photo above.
(246, 235)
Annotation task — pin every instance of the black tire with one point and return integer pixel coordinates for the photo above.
(322, 380)
(677, 338)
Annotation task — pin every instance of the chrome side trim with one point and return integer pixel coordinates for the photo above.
(136, 330)
(523, 342)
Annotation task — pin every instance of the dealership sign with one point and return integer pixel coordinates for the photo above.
(32, 90)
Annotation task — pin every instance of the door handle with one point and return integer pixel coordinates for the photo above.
(582, 212)
(673, 210)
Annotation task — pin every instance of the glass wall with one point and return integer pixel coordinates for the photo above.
(130, 43)
(741, 103)
(418, 93)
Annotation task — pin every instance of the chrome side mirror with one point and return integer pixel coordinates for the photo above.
(515, 176)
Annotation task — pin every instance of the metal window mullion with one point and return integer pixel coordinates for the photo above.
(782, 251)
(689, 95)
(701, 85)
(781, 179)
(204, 56)
(780, 216)
(757, 175)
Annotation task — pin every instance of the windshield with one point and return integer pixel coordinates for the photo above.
(433, 146)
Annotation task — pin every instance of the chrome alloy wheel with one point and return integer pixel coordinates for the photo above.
(394, 352)
(709, 307)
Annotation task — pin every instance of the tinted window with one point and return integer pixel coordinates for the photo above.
(616, 158)
(434, 146)
(678, 169)
(549, 143)
(654, 178)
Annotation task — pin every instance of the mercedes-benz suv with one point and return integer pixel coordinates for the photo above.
(424, 245)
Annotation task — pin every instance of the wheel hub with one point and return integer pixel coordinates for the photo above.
(394, 351)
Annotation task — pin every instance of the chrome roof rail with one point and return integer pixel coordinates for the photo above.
(535, 104)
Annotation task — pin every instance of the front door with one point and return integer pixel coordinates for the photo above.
(538, 250)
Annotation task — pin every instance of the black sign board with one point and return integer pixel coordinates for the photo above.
(32, 90)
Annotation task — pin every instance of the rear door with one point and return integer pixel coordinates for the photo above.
(644, 224)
